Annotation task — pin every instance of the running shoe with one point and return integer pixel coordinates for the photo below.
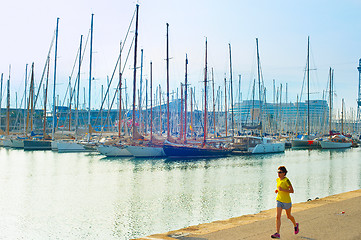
(276, 235)
(297, 229)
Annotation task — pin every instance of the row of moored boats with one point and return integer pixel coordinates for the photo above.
(213, 147)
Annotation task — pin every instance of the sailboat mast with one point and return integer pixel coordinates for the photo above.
(330, 96)
(120, 91)
(77, 99)
(70, 100)
(253, 96)
(192, 111)
(46, 97)
(141, 90)
(231, 82)
(146, 107)
(214, 107)
(1, 96)
(297, 116)
(32, 106)
(239, 102)
(25, 87)
(205, 98)
(308, 85)
(259, 86)
(90, 75)
(8, 105)
(54, 95)
(342, 116)
(31, 94)
(167, 60)
(151, 101)
(181, 113)
(160, 110)
(135, 70)
(185, 99)
(225, 103)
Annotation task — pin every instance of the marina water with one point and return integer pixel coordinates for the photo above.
(48, 195)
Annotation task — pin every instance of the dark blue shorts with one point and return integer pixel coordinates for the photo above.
(284, 205)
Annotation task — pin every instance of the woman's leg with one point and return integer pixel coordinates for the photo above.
(278, 219)
(290, 217)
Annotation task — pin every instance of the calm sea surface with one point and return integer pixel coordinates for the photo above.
(47, 195)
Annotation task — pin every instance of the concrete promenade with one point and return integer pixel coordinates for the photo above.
(334, 217)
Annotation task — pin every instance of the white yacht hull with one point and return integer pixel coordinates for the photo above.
(64, 147)
(268, 148)
(17, 143)
(113, 151)
(54, 145)
(335, 145)
(7, 143)
(142, 151)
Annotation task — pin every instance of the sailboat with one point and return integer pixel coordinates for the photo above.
(44, 142)
(18, 142)
(7, 140)
(307, 141)
(174, 150)
(114, 147)
(113, 150)
(257, 144)
(139, 147)
(336, 141)
(86, 145)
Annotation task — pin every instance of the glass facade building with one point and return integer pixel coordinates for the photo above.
(284, 117)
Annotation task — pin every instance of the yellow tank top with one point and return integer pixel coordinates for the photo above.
(281, 195)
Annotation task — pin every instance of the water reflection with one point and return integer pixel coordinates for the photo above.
(82, 195)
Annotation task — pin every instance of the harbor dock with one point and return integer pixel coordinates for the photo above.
(332, 217)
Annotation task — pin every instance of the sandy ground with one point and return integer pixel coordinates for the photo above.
(334, 217)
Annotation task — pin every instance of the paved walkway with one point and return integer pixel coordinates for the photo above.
(333, 217)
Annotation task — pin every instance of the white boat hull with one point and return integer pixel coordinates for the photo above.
(268, 148)
(54, 145)
(335, 145)
(141, 151)
(113, 151)
(7, 143)
(64, 147)
(17, 143)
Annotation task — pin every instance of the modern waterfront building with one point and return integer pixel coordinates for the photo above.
(284, 117)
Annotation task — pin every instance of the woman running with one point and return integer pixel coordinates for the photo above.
(284, 188)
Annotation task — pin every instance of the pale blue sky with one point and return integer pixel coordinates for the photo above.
(282, 28)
